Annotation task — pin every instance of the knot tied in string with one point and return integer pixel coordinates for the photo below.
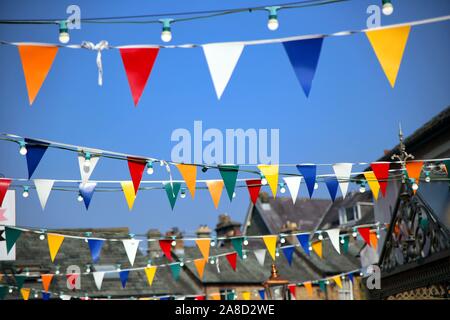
(97, 47)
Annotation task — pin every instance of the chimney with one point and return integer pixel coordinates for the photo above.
(203, 231)
(153, 248)
(289, 228)
(227, 228)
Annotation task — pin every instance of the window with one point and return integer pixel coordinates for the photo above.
(346, 293)
(354, 213)
(227, 294)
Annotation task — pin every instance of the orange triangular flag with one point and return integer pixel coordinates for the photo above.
(54, 243)
(215, 188)
(25, 293)
(414, 169)
(308, 287)
(373, 240)
(36, 63)
(46, 280)
(200, 266)
(317, 247)
(204, 245)
(189, 174)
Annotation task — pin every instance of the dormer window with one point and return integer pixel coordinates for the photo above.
(354, 213)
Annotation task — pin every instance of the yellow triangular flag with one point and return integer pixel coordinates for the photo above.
(270, 171)
(317, 247)
(150, 273)
(25, 293)
(189, 174)
(246, 295)
(54, 243)
(200, 266)
(338, 281)
(373, 183)
(215, 296)
(271, 244)
(203, 246)
(215, 188)
(389, 45)
(128, 191)
(308, 287)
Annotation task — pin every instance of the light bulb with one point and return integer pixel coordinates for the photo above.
(272, 23)
(415, 186)
(427, 178)
(316, 186)
(79, 198)
(234, 194)
(213, 243)
(283, 188)
(277, 254)
(354, 234)
(310, 248)
(166, 36)
(212, 261)
(320, 236)
(88, 269)
(342, 241)
(87, 162)
(245, 242)
(183, 194)
(150, 167)
(174, 243)
(263, 180)
(244, 256)
(25, 192)
(23, 148)
(10, 290)
(282, 240)
(181, 264)
(57, 271)
(63, 32)
(388, 8)
(42, 237)
(36, 295)
(362, 188)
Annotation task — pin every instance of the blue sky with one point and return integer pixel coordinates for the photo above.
(352, 113)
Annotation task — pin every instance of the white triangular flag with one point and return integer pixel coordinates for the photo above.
(43, 188)
(293, 184)
(334, 238)
(343, 172)
(86, 171)
(131, 246)
(260, 255)
(98, 278)
(65, 297)
(222, 59)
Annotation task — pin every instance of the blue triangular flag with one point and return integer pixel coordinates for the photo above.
(304, 56)
(350, 277)
(304, 242)
(175, 268)
(45, 296)
(35, 152)
(95, 245)
(288, 252)
(262, 294)
(124, 277)
(308, 171)
(86, 191)
(164, 298)
(332, 185)
(172, 192)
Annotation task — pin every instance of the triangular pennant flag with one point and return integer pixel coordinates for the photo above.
(345, 244)
(414, 169)
(201, 297)
(229, 175)
(270, 171)
(200, 266)
(373, 240)
(308, 171)
(292, 289)
(4, 185)
(3, 292)
(332, 186)
(343, 172)
(189, 174)
(253, 187)
(304, 56)
(232, 259)
(131, 246)
(317, 248)
(128, 191)
(86, 171)
(166, 247)
(373, 183)
(95, 246)
(322, 285)
(138, 64)
(204, 246)
(175, 268)
(136, 167)
(172, 190)
(350, 277)
(288, 253)
(87, 191)
(365, 234)
(222, 59)
(262, 294)
(237, 245)
(246, 295)
(2, 215)
(304, 242)
(54, 243)
(215, 296)
(20, 279)
(11, 236)
(65, 297)
(36, 63)
(389, 45)
(43, 188)
(334, 238)
(293, 184)
(381, 171)
(124, 277)
(98, 278)
(25, 292)
(150, 273)
(260, 255)
(215, 188)
(35, 152)
(308, 287)
(45, 296)
(271, 244)
(338, 281)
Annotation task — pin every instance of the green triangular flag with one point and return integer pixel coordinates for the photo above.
(229, 175)
(20, 279)
(322, 285)
(175, 268)
(11, 237)
(345, 244)
(3, 291)
(237, 245)
(172, 192)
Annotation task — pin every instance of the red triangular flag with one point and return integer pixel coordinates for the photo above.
(253, 188)
(291, 288)
(365, 234)
(166, 247)
(136, 167)
(381, 171)
(232, 257)
(138, 64)
(4, 185)
(200, 298)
